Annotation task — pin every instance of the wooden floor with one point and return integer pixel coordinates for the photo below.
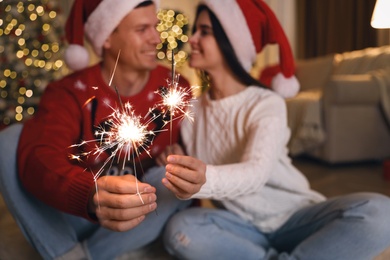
(334, 180)
(327, 179)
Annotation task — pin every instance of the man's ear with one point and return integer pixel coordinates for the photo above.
(107, 43)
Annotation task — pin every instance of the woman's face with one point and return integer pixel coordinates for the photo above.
(205, 54)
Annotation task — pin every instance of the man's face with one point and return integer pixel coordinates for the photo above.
(136, 37)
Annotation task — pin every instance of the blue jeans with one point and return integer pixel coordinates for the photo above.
(354, 227)
(55, 234)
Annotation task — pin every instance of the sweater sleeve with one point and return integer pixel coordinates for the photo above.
(266, 137)
(45, 169)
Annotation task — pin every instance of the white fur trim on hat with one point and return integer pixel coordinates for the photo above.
(286, 87)
(231, 18)
(105, 18)
(76, 57)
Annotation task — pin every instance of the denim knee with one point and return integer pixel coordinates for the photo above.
(179, 230)
(374, 210)
(377, 209)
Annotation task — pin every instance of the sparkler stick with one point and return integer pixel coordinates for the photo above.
(112, 77)
(127, 127)
(173, 81)
(173, 66)
(175, 99)
(113, 72)
(119, 97)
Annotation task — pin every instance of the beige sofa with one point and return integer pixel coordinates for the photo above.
(342, 112)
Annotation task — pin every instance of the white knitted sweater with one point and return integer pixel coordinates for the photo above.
(242, 139)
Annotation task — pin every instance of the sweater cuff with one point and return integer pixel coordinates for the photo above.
(79, 194)
(207, 189)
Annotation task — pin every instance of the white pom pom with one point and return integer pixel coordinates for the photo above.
(286, 87)
(76, 57)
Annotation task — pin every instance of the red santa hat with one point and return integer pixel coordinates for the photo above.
(261, 27)
(96, 19)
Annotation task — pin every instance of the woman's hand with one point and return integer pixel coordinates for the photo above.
(161, 160)
(118, 206)
(185, 175)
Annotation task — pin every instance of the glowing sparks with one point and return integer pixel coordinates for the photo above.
(126, 138)
(127, 135)
(175, 101)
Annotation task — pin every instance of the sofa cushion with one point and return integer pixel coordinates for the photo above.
(305, 121)
(382, 77)
(313, 73)
(359, 89)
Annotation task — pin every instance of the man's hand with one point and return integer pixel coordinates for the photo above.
(118, 206)
(185, 175)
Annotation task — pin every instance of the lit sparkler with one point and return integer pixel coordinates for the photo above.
(175, 99)
(126, 138)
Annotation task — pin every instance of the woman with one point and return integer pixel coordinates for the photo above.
(237, 157)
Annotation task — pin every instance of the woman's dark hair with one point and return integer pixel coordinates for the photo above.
(144, 3)
(227, 50)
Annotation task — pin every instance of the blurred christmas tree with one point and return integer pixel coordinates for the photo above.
(173, 28)
(31, 39)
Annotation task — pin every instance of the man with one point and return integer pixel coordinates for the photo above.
(65, 214)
